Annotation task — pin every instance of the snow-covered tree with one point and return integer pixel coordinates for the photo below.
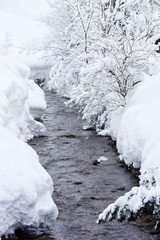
(124, 35)
(69, 41)
(100, 50)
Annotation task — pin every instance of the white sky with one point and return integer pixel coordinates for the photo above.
(28, 8)
(18, 18)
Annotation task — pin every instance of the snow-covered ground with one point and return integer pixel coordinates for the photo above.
(26, 188)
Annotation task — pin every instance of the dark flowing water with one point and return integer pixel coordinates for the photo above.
(83, 190)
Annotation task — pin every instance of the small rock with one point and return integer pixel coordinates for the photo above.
(59, 129)
(93, 198)
(121, 166)
(70, 136)
(99, 198)
(155, 232)
(121, 189)
(78, 204)
(106, 150)
(113, 191)
(66, 159)
(87, 128)
(112, 143)
(96, 162)
(77, 183)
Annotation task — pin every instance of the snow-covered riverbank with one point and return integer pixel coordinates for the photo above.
(138, 144)
(136, 129)
(26, 188)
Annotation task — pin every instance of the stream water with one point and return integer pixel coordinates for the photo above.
(82, 189)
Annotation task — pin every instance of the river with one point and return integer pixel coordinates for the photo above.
(83, 189)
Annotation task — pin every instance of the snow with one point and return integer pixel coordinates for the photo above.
(138, 143)
(15, 106)
(26, 188)
(22, 29)
(102, 159)
(36, 100)
(103, 133)
(139, 129)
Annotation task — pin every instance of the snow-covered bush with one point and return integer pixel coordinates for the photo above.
(68, 44)
(120, 55)
(25, 187)
(68, 75)
(101, 52)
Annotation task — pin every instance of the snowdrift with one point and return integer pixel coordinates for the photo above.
(26, 188)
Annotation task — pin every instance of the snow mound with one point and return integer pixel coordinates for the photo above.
(102, 159)
(15, 94)
(26, 188)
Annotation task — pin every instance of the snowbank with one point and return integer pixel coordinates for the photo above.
(36, 100)
(138, 143)
(14, 104)
(26, 188)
